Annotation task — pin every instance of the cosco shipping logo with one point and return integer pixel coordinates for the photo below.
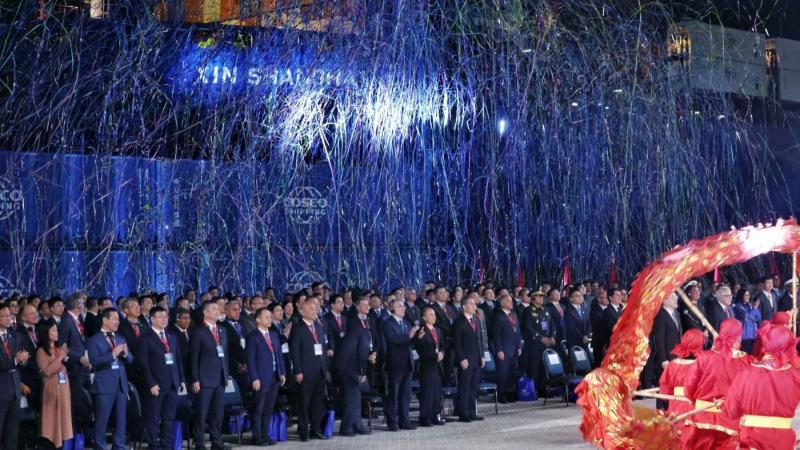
(10, 198)
(305, 205)
(302, 280)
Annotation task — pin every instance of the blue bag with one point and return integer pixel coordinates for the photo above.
(177, 435)
(277, 427)
(330, 419)
(526, 391)
(77, 442)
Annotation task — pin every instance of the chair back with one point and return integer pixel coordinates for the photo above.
(580, 360)
(552, 364)
(232, 397)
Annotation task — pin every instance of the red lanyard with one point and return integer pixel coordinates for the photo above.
(313, 333)
(215, 332)
(435, 336)
(111, 343)
(339, 322)
(269, 342)
(511, 319)
(164, 340)
(472, 324)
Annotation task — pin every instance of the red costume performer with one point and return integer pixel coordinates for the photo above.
(780, 318)
(673, 380)
(764, 396)
(709, 379)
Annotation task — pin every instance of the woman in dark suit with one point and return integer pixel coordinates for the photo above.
(428, 343)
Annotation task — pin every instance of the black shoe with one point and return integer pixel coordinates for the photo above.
(464, 419)
(392, 427)
(303, 438)
(476, 418)
(363, 431)
(220, 447)
(439, 422)
(408, 427)
(268, 441)
(425, 423)
(318, 435)
(347, 433)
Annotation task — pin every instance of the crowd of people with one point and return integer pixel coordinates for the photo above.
(308, 352)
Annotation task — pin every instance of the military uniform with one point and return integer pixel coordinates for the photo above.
(536, 323)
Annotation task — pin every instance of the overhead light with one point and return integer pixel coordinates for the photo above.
(721, 117)
(502, 125)
(574, 104)
(617, 91)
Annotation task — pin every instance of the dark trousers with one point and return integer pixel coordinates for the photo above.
(351, 404)
(263, 406)
(104, 405)
(9, 421)
(159, 415)
(210, 407)
(312, 391)
(468, 381)
(535, 366)
(506, 374)
(398, 398)
(430, 393)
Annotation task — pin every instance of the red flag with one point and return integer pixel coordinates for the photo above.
(520, 276)
(612, 273)
(717, 276)
(566, 278)
(773, 268)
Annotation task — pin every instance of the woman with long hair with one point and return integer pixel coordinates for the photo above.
(749, 315)
(56, 403)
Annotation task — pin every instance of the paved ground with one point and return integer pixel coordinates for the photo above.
(520, 425)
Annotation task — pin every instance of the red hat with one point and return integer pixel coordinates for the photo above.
(730, 334)
(780, 318)
(691, 343)
(779, 344)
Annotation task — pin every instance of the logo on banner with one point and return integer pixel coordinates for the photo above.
(10, 198)
(6, 287)
(302, 280)
(305, 205)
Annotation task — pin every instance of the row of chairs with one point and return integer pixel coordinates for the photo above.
(556, 373)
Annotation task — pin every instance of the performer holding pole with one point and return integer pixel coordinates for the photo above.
(696, 311)
(673, 380)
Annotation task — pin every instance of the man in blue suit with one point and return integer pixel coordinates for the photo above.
(353, 357)
(209, 373)
(71, 332)
(576, 317)
(157, 355)
(397, 334)
(11, 356)
(307, 347)
(108, 354)
(267, 373)
(506, 343)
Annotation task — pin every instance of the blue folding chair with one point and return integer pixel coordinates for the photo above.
(554, 373)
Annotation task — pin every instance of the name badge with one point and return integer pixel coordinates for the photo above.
(414, 355)
(341, 335)
(220, 351)
(169, 359)
(241, 342)
(545, 326)
(62, 378)
(23, 402)
(317, 349)
(284, 348)
(487, 356)
(115, 365)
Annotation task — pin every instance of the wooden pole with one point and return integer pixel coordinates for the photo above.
(697, 312)
(794, 293)
(683, 416)
(661, 396)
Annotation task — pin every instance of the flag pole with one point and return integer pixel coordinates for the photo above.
(794, 292)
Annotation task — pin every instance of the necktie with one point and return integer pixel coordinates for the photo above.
(472, 324)
(215, 332)
(32, 335)
(135, 326)
(110, 339)
(402, 325)
(339, 322)
(6, 346)
(164, 340)
(435, 337)
(269, 342)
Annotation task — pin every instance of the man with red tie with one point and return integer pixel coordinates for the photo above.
(336, 323)
(267, 373)
(29, 373)
(352, 361)
(764, 396)
(709, 379)
(507, 347)
(469, 360)
(307, 348)
(71, 332)
(11, 357)
(131, 327)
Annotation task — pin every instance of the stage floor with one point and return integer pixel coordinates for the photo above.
(519, 425)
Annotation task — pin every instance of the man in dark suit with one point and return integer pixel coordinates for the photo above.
(71, 332)
(444, 321)
(596, 321)
(180, 329)
(307, 349)
(91, 321)
(336, 323)
(468, 357)
(237, 356)
(209, 375)
(397, 334)
(163, 375)
(267, 373)
(353, 358)
(688, 319)
(108, 355)
(427, 342)
(28, 340)
(131, 327)
(506, 343)
(720, 309)
(610, 317)
(768, 299)
(538, 331)
(409, 296)
(556, 310)
(665, 335)
(12, 355)
(576, 320)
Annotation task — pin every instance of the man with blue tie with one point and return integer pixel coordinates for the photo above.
(577, 323)
(108, 354)
(307, 347)
(397, 335)
(161, 364)
(209, 373)
(267, 373)
(11, 357)
(506, 343)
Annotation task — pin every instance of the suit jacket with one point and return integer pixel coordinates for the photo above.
(443, 322)
(262, 364)
(427, 348)
(577, 325)
(610, 318)
(398, 344)
(689, 320)
(29, 373)
(351, 360)
(69, 333)
(248, 322)
(413, 314)
(151, 355)
(301, 349)
(108, 380)
(9, 371)
(92, 324)
(559, 320)
(465, 342)
(767, 309)
(507, 334)
(596, 321)
(206, 365)
(716, 313)
(236, 353)
(335, 334)
(184, 349)
(666, 334)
